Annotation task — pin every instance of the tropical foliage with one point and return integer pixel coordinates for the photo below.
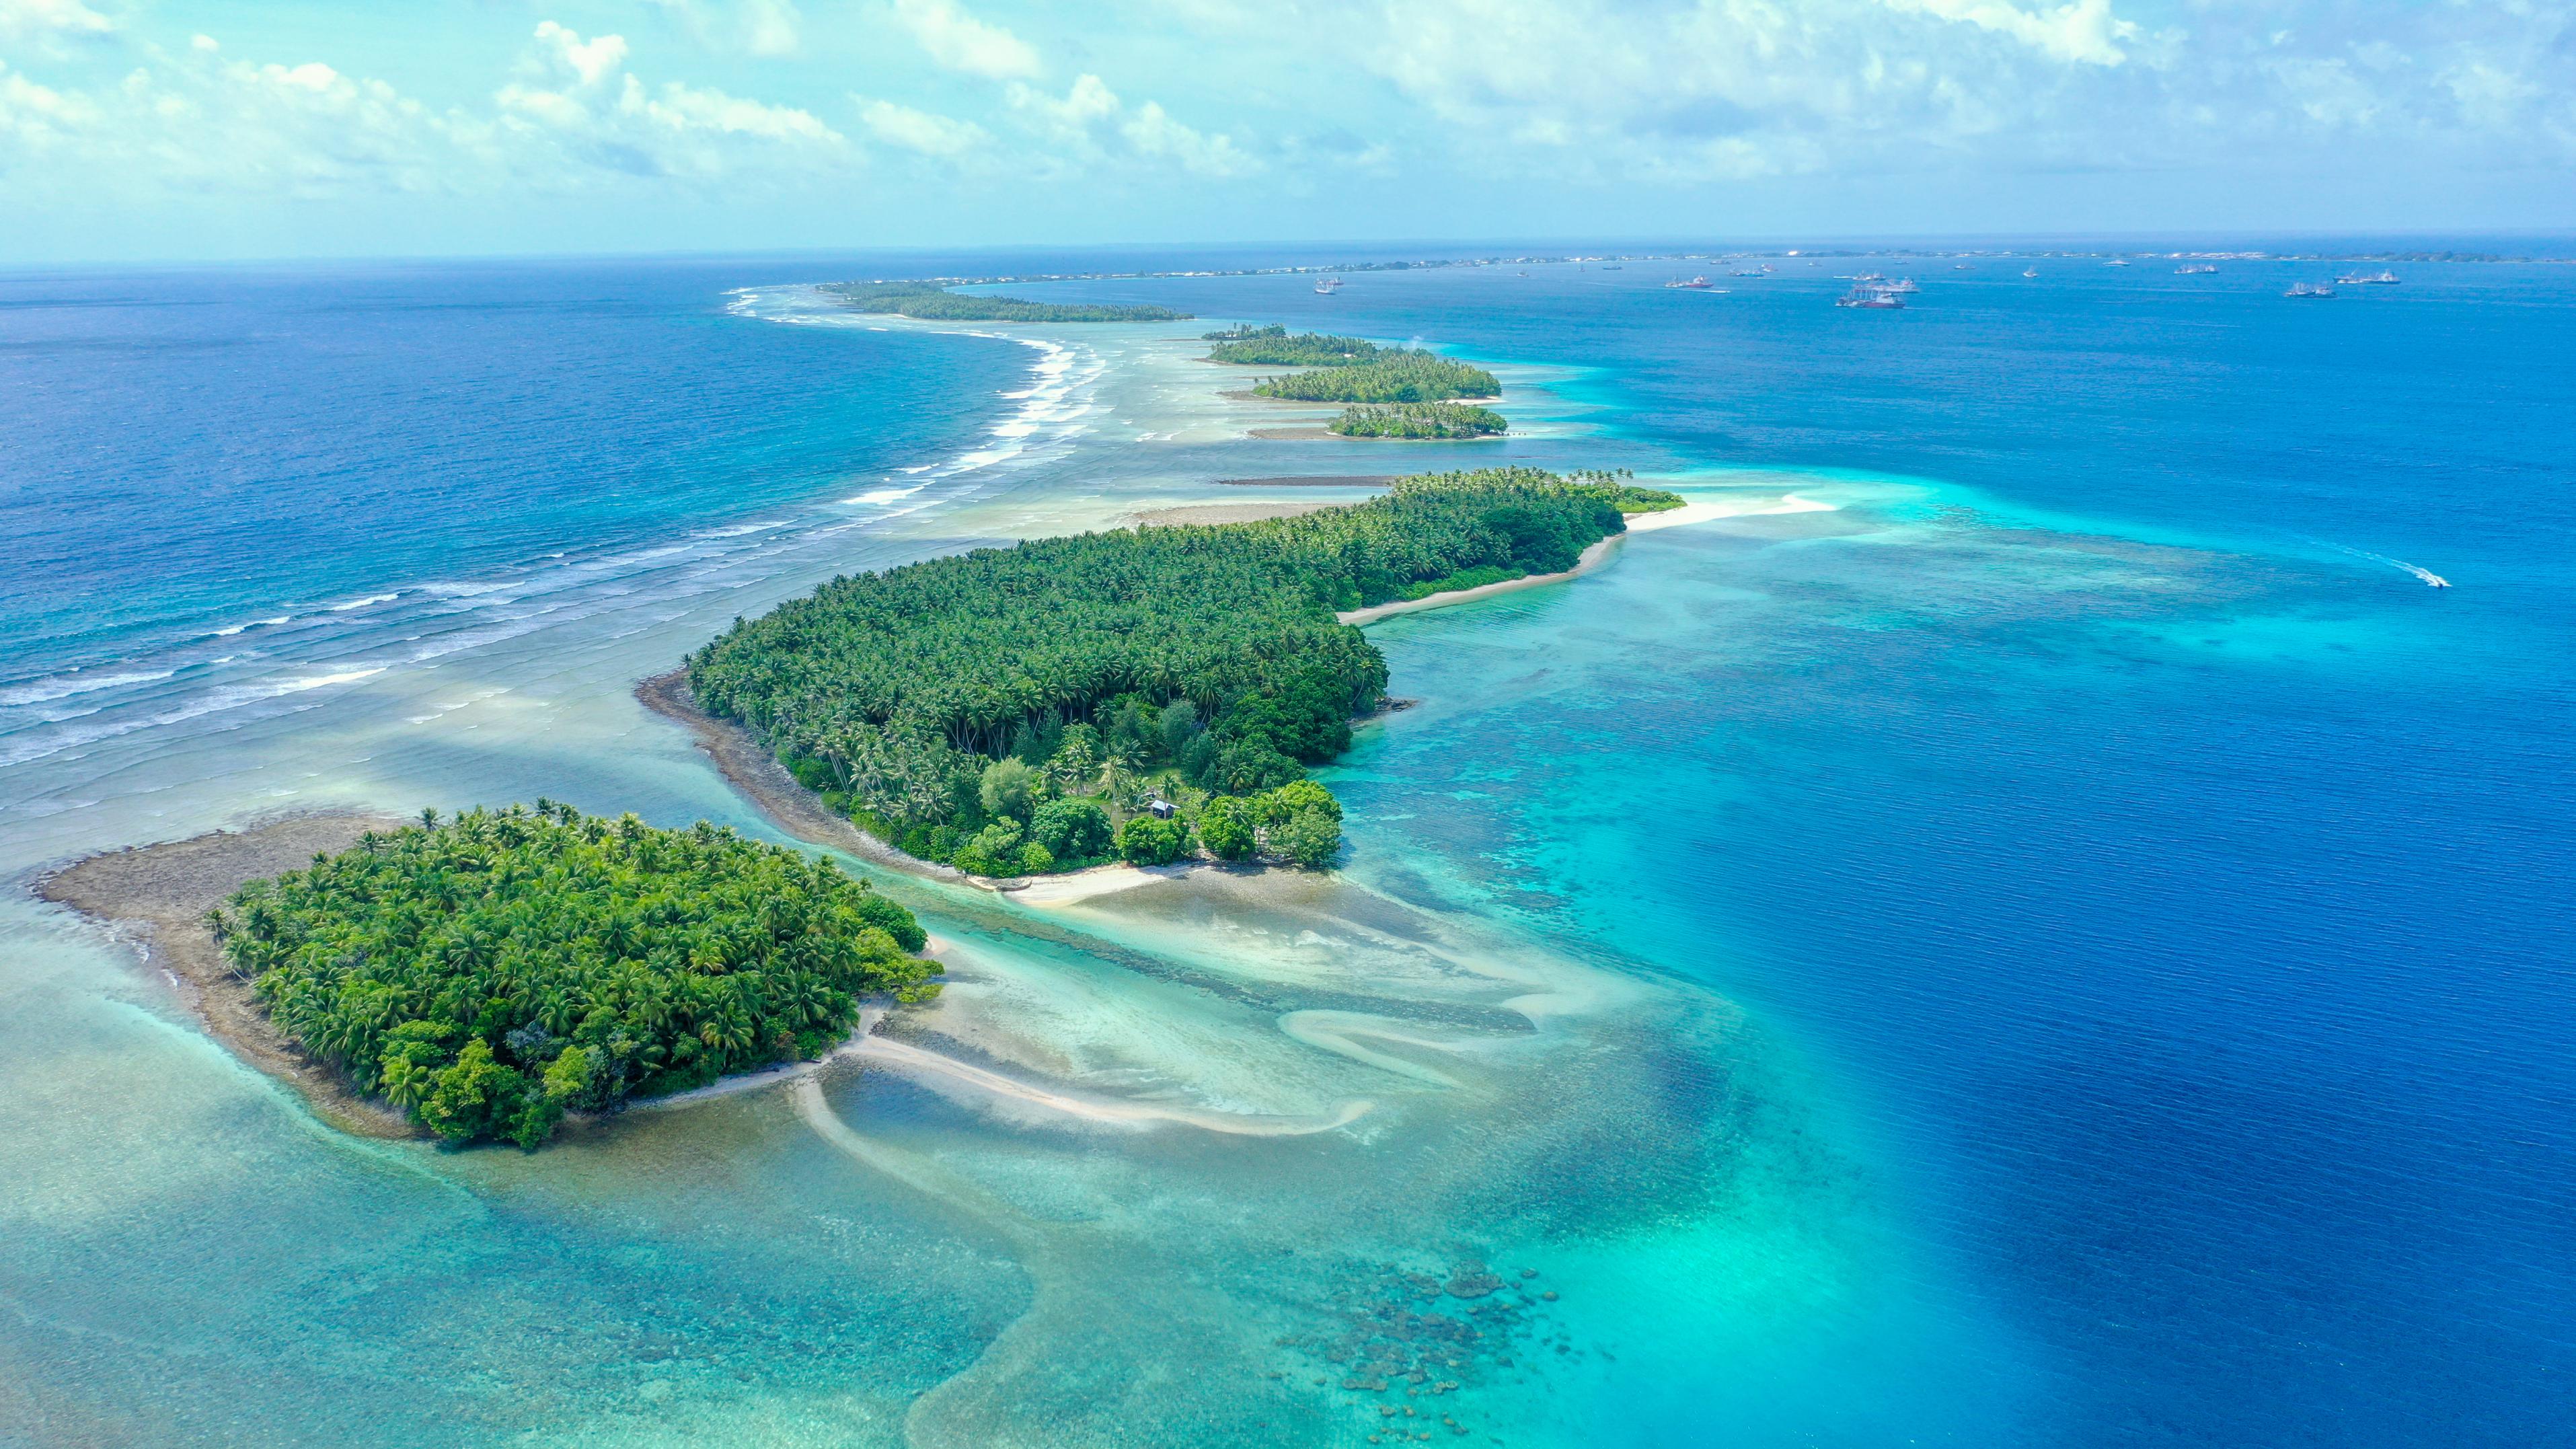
(1244, 332)
(1391, 377)
(1273, 347)
(952, 705)
(923, 300)
(487, 973)
(1419, 420)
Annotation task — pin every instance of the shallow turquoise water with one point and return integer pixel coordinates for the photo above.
(2057, 949)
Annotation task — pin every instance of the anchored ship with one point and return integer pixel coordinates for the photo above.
(1869, 296)
(2309, 289)
(2356, 279)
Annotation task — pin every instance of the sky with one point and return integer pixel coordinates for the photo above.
(186, 130)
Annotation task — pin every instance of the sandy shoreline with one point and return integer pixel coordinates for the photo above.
(1313, 480)
(1223, 513)
(758, 776)
(1590, 559)
(158, 895)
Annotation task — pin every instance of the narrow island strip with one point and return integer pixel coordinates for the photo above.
(931, 302)
(1148, 695)
(1354, 370)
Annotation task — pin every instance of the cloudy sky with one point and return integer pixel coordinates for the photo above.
(186, 128)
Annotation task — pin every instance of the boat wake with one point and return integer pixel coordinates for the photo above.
(2430, 578)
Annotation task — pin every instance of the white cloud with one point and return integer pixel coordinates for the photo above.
(1090, 125)
(194, 122)
(2084, 31)
(767, 28)
(961, 42)
(592, 60)
(682, 109)
(42, 20)
(674, 129)
(1153, 132)
(920, 131)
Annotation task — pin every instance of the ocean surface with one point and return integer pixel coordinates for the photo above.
(2039, 928)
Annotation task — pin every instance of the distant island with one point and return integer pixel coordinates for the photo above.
(1418, 420)
(1348, 369)
(486, 974)
(1149, 695)
(931, 302)
(1392, 377)
(1273, 347)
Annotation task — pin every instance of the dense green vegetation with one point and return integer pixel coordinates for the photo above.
(1419, 420)
(1392, 377)
(1273, 347)
(1353, 370)
(1020, 709)
(488, 973)
(921, 299)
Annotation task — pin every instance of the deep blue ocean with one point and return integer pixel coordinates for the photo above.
(2158, 893)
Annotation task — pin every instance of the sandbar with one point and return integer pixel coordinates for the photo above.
(1223, 513)
(1313, 480)
(158, 895)
(1591, 558)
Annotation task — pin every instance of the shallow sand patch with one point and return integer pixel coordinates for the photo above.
(1223, 513)
(903, 1056)
(158, 895)
(1313, 480)
(1100, 880)
(1595, 556)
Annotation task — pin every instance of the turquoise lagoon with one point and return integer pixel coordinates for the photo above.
(2054, 945)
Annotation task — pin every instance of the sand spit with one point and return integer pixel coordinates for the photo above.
(903, 1056)
(1313, 480)
(765, 782)
(1593, 557)
(1224, 513)
(158, 895)
(1590, 559)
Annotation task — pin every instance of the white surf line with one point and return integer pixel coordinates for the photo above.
(904, 1056)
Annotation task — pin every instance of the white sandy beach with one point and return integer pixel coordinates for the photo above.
(1595, 556)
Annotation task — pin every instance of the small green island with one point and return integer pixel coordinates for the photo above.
(1272, 346)
(1418, 420)
(1351, 370)
(485, 974)
(930, 302)
(1151, 694)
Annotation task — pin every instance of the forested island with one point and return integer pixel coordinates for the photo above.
(1147, 694)
(1419, 420)
(486, 974)
(1394, 377)
(1273, 347)
(1348, 369)
(933, 303)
